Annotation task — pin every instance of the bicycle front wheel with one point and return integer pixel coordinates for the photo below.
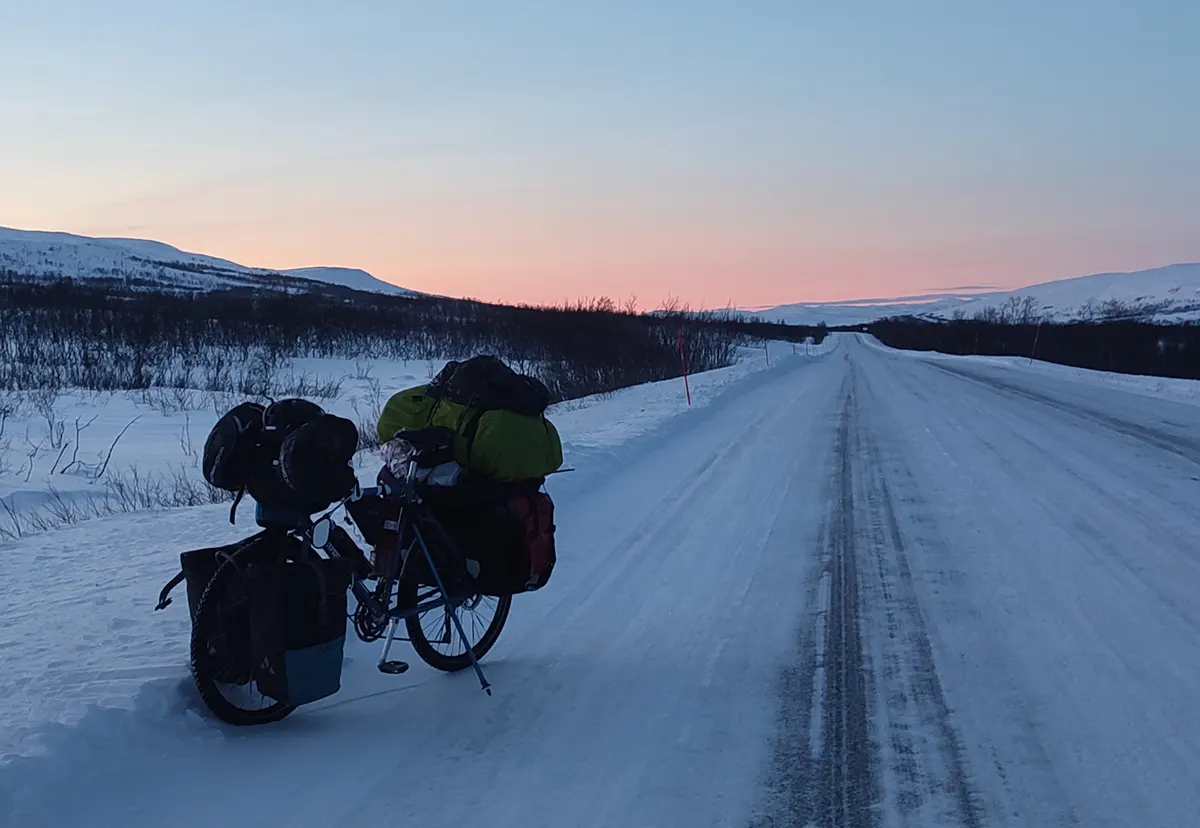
(220, 648)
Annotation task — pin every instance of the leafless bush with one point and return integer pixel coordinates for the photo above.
(127, 491)
(10, 405)
(108, 457)
(302, 385)
(133, 491)
(63, 511)
(168, 400)
(11, 524)
(45, 403)
(79, 429)
(220, 402)
(102, 336)
(258, 379)
(366, 414)
(185, 442)
(31, 456)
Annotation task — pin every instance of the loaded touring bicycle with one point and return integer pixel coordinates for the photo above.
(269, 613)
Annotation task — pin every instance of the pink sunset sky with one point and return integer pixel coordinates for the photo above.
(538, 152)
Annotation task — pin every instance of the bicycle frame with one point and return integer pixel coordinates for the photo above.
(409, 500)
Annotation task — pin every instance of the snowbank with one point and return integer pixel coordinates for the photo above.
(1182, 390)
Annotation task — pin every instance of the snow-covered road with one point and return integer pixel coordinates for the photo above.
(865, 589)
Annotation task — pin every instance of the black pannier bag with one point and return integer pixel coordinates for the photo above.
(231, 447)
(282, 417)
(298, 627)
(505, 546)
(314, 460)
(266, 484)
(289, 456)
(198, 567)
(231, 636)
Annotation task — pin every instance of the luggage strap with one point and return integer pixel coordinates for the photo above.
(324, 587)
(163, 599)
(236, 500)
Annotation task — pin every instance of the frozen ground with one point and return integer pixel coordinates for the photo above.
(857, 589)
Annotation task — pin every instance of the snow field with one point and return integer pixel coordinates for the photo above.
(50, 476)
(110, 567)
(862, 588)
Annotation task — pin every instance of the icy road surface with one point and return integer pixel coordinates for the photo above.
(865, 589)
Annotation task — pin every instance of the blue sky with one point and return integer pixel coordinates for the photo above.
(755, 152)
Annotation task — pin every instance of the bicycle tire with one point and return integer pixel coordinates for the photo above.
(202, 675)
(451, 664)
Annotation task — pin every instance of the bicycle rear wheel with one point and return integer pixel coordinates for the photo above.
(434, 637)
(220, 647)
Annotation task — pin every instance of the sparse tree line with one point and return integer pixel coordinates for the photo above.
(180, 351)
(94, 336)
(1120, 346)
(1025, 310)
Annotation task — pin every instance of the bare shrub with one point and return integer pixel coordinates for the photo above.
(79, 429)
(367, 410)
(185, 442)
(103, 336)
(45, 403)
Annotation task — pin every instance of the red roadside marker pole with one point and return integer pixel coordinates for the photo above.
(683, 362)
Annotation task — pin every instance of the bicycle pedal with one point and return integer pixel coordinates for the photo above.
(393, 668)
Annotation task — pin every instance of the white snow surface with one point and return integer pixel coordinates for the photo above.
(50, 254)
(164, 429)
(864, 587)
(1164, 294)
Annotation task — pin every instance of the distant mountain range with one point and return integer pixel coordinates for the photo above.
(1165, 294)
(154, 265)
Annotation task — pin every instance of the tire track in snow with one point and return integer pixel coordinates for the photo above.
(931, 781)
(822, 771)
(847, 784)
(865, 733)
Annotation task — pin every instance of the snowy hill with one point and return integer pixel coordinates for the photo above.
(858, 311)
(1169, 293)
(154, 264)
(1164, 294)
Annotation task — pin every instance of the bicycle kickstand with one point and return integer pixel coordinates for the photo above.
(437, 577)
(392, 668)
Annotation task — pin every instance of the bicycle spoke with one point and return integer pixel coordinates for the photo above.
(475, 616)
